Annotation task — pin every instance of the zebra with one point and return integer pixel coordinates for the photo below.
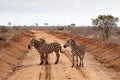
(44, 49)
(76, 50)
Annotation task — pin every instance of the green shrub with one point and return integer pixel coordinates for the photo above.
(2, 38)
(61, 28)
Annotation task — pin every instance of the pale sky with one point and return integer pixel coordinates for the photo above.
(54, 12)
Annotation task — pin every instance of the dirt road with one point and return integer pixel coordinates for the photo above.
(29, 68)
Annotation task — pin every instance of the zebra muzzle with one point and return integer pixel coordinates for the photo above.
(29, 46)
(64, 46)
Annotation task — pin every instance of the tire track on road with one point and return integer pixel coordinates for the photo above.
(47, 67)
(87, 74)
(48, 72)
(82, 72)
(41, 73)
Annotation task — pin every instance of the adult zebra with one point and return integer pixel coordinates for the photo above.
(44, 49)
(77, 50)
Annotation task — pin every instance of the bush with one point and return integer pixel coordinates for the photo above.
(16, 28)
(2, 38)
(4, 29)
(61, 28)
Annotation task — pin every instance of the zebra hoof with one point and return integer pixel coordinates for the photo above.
(82, 65)
(46, 63)
(56, 62)
(72, 65)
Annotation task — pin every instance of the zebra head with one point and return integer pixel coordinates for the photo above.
(32, 43)
(69, 42)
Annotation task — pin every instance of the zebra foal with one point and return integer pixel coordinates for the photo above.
(44, 49)
(76, 50)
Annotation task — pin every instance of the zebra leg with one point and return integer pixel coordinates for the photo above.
(47, 59)
(57, 55)
(42, 59)
(80, 61)
(72, 60)
(46, 55)
(77, 60)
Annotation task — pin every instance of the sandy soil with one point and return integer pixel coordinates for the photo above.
(11, 53)
(29, 68)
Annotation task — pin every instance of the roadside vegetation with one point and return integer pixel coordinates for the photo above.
(7, 32)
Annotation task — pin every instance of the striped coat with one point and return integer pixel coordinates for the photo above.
(76, 50)
(44, 49)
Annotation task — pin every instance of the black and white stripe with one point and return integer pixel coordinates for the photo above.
(44, 49)
(76, 50)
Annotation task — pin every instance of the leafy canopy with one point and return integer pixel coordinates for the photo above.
(105, 21)
(105, 24)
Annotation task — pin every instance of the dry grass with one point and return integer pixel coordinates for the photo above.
(9, 32)
(4, 29)
(90, 32)
(86, 31)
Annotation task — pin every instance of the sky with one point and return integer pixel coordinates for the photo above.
(56, 12)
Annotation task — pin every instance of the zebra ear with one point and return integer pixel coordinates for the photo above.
(42, 40)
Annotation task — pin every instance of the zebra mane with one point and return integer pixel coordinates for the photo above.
(36, 43)
(72, 41)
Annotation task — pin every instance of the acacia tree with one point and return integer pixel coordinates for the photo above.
(105, 24)
(73, 24)
(36, 24)
(46, 24)
(9, 23)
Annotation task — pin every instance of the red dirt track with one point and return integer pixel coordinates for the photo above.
(102, 59)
